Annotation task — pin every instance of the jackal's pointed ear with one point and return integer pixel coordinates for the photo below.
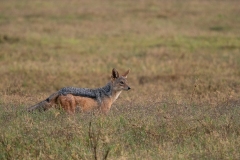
(125, 74)
(115, 74)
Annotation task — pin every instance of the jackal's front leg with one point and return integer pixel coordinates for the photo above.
(106, 106)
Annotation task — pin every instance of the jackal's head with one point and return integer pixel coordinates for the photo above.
(119, 82)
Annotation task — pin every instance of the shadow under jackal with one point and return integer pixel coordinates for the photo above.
(70, 98)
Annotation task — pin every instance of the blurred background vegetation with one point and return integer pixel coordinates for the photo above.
(184, 58)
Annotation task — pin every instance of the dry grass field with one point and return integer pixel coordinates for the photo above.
(184, 58)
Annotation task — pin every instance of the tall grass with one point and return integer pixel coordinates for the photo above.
(166, 130)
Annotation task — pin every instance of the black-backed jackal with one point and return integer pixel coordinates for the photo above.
(71, 98)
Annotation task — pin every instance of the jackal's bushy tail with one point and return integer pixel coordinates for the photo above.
(44, 105)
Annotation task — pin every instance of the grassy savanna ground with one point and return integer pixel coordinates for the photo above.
(184, 58)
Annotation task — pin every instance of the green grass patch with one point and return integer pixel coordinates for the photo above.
(54, 134)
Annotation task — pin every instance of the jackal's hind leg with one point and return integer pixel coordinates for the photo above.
(67, 102)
